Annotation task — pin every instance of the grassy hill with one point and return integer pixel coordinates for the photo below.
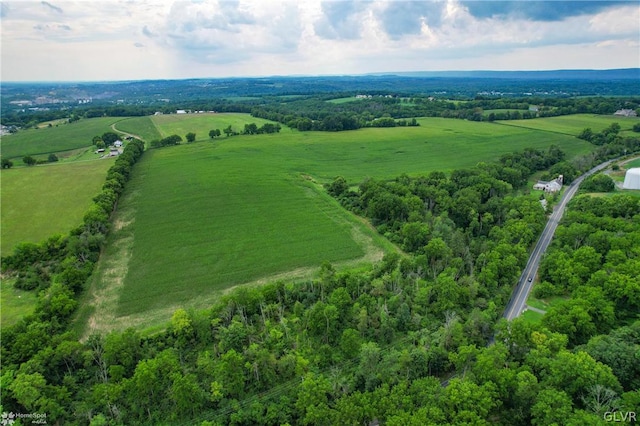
(199, 218)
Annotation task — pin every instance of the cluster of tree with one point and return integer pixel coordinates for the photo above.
(253, 129)
(214, 133)
(594, 258)
(107, 139)
(390, 122)
(607, 136)
(168, 141)
(6, 163)
(599, 182)
(31, 161)
(471, 198)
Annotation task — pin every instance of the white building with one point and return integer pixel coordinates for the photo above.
(632, 179)
(552, 186)
(626, 113)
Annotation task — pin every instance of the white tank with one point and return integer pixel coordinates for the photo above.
(632, 179)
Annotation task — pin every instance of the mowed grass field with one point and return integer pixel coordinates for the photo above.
(199, 218)
(201, 124)
(64, 137)
(574, 124)
(43, 200)
(140, 126)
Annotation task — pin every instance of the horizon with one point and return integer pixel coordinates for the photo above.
(164, 40)
(370, 74)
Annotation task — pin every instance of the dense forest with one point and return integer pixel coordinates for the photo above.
(414, 339)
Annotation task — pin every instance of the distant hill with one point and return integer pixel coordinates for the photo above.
(613, 74)
(17, 98)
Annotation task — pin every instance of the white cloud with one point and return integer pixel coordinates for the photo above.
(162, 39)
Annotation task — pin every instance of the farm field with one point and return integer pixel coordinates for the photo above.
(200, 124)
(139, 126)
(574, 124)
(65, 137)
(43, 200)
(437, 144)
(199, 218)
(186, 234)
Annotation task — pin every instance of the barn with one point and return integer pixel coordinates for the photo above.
(632, 179)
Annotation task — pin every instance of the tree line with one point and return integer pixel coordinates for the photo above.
(314, 112)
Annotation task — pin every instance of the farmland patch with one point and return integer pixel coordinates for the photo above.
(43, 200)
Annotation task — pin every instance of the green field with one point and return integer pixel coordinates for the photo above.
(64, 137)
(142, 127)
(438, 144)
(574, 124)
(199, 218)
(200, 124)
(43, 200)
(343, 100)
(632, 164)
(15, 303)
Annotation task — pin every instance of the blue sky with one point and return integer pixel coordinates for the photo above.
(121, 40)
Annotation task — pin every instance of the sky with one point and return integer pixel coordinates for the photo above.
(56, 40)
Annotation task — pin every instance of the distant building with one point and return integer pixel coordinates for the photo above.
(117, 143)
(626, 113)
(181, 111)
(534, 108)
(552, 186)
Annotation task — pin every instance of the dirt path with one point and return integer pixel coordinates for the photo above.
(131, 135)
(531, 308)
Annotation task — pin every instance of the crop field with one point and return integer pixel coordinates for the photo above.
(574, 124)
(199, 218)
(54, 139)
(43, 200)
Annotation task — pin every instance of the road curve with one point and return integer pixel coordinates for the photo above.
(520, 294)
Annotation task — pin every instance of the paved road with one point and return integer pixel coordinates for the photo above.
(518, 301)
